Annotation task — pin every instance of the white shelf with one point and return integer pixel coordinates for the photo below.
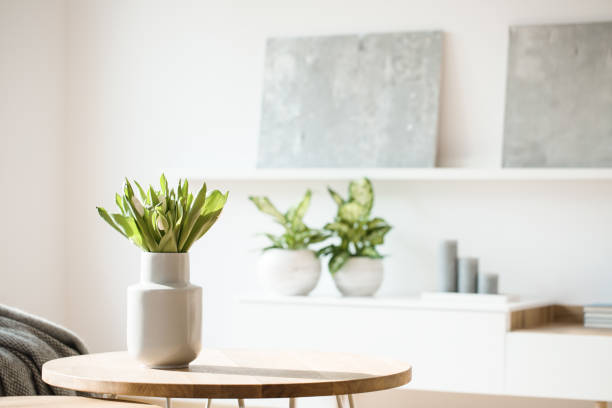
(393, 174)
(394, 303)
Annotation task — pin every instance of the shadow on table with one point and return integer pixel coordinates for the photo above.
(274, 372)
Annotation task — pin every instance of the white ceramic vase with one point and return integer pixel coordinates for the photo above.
(359, 276)
(164, 312)
(289, 272)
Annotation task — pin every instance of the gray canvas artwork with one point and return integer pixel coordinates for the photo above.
(351, 101)
(559, 96)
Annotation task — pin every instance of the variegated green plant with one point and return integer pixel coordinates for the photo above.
(165, 220)
(359, 234)
(297, 235)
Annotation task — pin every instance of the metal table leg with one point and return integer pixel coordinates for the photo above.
(345, 401)
(209, 403)
(240, 403)
(168, 402)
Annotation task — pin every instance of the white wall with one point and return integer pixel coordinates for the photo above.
(32, 113)
(160, 84)
(91, 91)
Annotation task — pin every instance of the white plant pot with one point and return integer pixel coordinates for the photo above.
(164, 312)
(289, 272)
(359, 276)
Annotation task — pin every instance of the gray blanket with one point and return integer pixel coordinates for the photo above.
(26, 343)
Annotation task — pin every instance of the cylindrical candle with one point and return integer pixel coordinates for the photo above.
(447, 266)
(467, 274)
(488, 283)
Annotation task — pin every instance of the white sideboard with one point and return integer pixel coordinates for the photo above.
(504, 349)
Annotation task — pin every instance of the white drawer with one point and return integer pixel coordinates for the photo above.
(559, 365)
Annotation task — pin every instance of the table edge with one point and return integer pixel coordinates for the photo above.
(229, 391)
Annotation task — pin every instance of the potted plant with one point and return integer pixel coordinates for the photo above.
(164, 310)
(288, 266)
(355, 263)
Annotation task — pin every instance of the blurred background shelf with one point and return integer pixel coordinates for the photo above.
(553, 319)
(393, 174)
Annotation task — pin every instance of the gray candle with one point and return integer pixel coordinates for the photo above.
(467, 275)
(447, 266)
(487, 283)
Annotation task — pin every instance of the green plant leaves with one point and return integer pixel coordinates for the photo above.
(131, 229)
(143, 196)
(166, 220)
(361, 192)
(316, 236)
(164, 184)
(192, 216)
(208, 216)
(359, 204)
(265, 206)
(277, 242)
(335, 196)
(302, 207)
(297, 235)
(376, 222)
(376, 236)
(168, 243)
(338, 227)
(104, 214)
(370, 252)
(352, 212)
(338, 260)
(328, 250)
(358, 234)
(119, 202)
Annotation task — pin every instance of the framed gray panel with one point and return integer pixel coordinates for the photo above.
(559, 96)
(351, 101)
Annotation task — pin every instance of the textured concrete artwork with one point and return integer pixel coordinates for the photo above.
(559, 96)
(351, 101)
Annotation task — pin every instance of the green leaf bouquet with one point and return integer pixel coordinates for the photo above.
(164, 220)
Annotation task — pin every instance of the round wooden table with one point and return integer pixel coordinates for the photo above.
(237, 374)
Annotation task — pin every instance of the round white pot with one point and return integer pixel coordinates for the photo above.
(289, 272)
(359, 276)
(164, 312)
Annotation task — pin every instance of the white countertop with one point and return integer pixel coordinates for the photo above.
(394, 302)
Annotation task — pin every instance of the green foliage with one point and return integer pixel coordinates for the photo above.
(297, 235)
(358, 233)
(165, 220)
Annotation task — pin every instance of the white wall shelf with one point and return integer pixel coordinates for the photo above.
(394, 174)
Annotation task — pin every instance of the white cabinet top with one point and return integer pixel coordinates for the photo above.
(396, 303)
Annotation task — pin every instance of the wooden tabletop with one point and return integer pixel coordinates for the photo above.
(231, 374)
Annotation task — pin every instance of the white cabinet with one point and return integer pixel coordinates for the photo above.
(451, 348)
